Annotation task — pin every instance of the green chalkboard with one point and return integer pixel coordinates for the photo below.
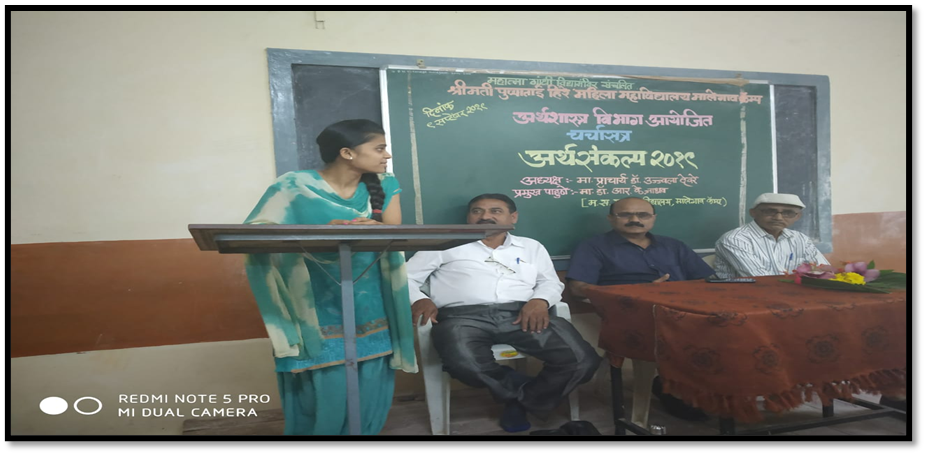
(565, 147)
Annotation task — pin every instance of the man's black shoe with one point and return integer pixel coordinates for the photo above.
(514, 418)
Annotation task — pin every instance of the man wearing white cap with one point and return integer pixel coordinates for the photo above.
(765, 246)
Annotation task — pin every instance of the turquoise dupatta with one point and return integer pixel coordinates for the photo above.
(282, 283)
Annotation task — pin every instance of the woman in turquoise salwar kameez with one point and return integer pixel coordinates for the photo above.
(299, 295)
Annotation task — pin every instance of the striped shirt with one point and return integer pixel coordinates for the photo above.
(751, 251)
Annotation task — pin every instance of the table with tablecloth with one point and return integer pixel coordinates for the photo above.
(721, 346)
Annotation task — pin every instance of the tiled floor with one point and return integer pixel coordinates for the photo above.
(473, 412)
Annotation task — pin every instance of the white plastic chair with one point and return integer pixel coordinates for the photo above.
(437, 382)
(710, 259)
(643, 374)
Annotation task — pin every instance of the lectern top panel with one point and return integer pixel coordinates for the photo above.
(262, 238)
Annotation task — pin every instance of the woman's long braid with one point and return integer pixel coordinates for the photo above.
(376, 194)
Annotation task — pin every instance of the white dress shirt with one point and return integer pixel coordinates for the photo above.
(751, 251)
(518, 270)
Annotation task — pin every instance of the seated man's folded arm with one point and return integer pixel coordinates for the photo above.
(419, 268)
(548, 285)
(578, 288)
(813, 254)
(693, 265)
(744, 260)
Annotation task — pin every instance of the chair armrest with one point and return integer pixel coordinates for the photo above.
(424, 330)
(428, 351)
(561, 309)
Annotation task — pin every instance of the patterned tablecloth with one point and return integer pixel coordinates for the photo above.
(720, 346)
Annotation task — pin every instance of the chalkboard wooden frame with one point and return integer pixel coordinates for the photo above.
(817, 222)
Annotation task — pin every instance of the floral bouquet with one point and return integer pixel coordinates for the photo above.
(854, 277)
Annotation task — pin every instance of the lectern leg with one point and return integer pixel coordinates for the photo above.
(350, 340)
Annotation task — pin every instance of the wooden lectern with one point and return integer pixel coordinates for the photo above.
(263, 239)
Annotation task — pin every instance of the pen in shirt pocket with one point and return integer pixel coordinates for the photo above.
(519, 261)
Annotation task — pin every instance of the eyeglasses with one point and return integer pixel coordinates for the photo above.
(491, 259)
(642, 215)
(771, 212)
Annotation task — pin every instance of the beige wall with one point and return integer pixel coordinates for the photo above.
(129, 126)
(133, 125)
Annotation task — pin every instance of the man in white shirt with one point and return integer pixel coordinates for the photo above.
(498, 291)
(765, 246)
